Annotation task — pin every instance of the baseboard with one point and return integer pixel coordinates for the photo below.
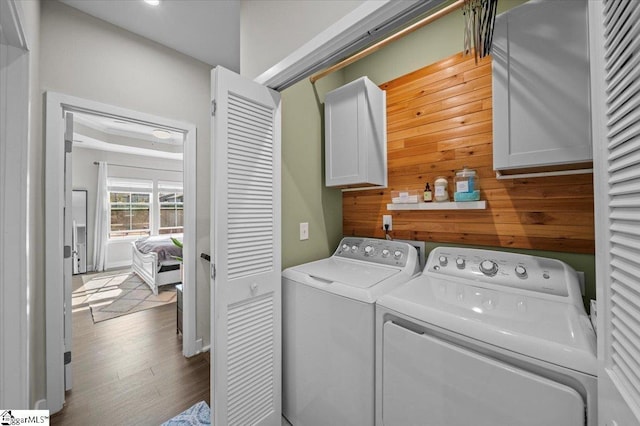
(206, 348)
(40, 404)
(117, 265)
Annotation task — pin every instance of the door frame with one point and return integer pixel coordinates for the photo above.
(14, 210)
(56, 104)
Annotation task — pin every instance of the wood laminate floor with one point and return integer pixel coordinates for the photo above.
(130, 371)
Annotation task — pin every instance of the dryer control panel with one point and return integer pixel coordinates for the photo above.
(515, 270)
(385, 252)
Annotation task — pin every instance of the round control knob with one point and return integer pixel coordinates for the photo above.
(521, 271)
(368, 251)
(354, 248)
(488, 267)
(397, 254)
(345, 247)
(460, 263)
(385, 253)
(443, 260)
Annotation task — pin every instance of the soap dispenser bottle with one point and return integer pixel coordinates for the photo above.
(428, 195)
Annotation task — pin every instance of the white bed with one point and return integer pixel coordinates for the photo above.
(156, 267)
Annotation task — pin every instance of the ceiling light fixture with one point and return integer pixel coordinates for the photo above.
(161, 134)
(152, 2)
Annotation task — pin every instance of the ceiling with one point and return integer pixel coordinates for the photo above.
(206, 30)
(116, 135)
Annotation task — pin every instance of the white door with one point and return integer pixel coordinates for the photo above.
(428, 381)
(68, 246)
(615, 42)
(246, 266)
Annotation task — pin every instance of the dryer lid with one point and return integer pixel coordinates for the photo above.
(547, 330)
(348, 272)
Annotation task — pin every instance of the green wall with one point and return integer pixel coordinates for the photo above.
(305, 197)
(438, 40)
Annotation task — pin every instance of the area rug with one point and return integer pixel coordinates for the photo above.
(197, 415)
(113, 294)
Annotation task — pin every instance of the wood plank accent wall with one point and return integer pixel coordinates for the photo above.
(439, 119)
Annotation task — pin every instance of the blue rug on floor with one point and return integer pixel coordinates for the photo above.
(199, 414)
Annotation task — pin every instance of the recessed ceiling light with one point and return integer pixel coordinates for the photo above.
(161, 134)
(152, 2)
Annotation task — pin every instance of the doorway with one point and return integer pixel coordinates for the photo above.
(58, 300)
(132, 177)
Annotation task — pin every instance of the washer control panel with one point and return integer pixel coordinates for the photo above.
(516, 270)
(385, 252)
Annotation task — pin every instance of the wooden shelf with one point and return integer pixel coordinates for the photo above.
(450, 205)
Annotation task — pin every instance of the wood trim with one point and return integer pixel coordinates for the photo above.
(439, 119)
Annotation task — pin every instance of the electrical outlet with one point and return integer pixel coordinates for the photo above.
(386, 220)
(304, 231)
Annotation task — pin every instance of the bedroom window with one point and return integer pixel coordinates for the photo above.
(171, 212)
(130, 207)
(130, 213)
(171, 206)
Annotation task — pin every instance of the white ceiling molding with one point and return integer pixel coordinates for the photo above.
(87, 142)
(129, 129)
(362, 27)
(11, 20)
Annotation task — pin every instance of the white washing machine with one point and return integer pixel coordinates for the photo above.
(328, 330)
(486, 338)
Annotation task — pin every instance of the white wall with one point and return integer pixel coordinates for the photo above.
(271, 30)
(85, 176)
(85, 57)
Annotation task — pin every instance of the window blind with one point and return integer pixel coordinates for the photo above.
(622, 80)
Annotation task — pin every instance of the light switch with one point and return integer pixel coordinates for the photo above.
(304, 231)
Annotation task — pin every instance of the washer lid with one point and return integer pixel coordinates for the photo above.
(348, 272)
(550, 331)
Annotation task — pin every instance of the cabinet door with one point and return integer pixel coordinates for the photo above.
(355, 135)
(345, 130)
(541, 114)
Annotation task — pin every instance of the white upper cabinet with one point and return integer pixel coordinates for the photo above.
(541, 104)
(356, 135)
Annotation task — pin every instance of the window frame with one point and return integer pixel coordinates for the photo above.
(129, 233)
(176, 207)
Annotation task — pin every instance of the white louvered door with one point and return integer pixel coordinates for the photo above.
(615, 44)
(245, 210)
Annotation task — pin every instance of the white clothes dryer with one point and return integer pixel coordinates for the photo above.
(328, 330)
(486, 338)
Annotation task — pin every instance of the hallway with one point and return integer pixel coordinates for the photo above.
(130, 371)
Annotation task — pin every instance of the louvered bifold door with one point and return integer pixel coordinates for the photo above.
(246, 266)
(618, 195)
